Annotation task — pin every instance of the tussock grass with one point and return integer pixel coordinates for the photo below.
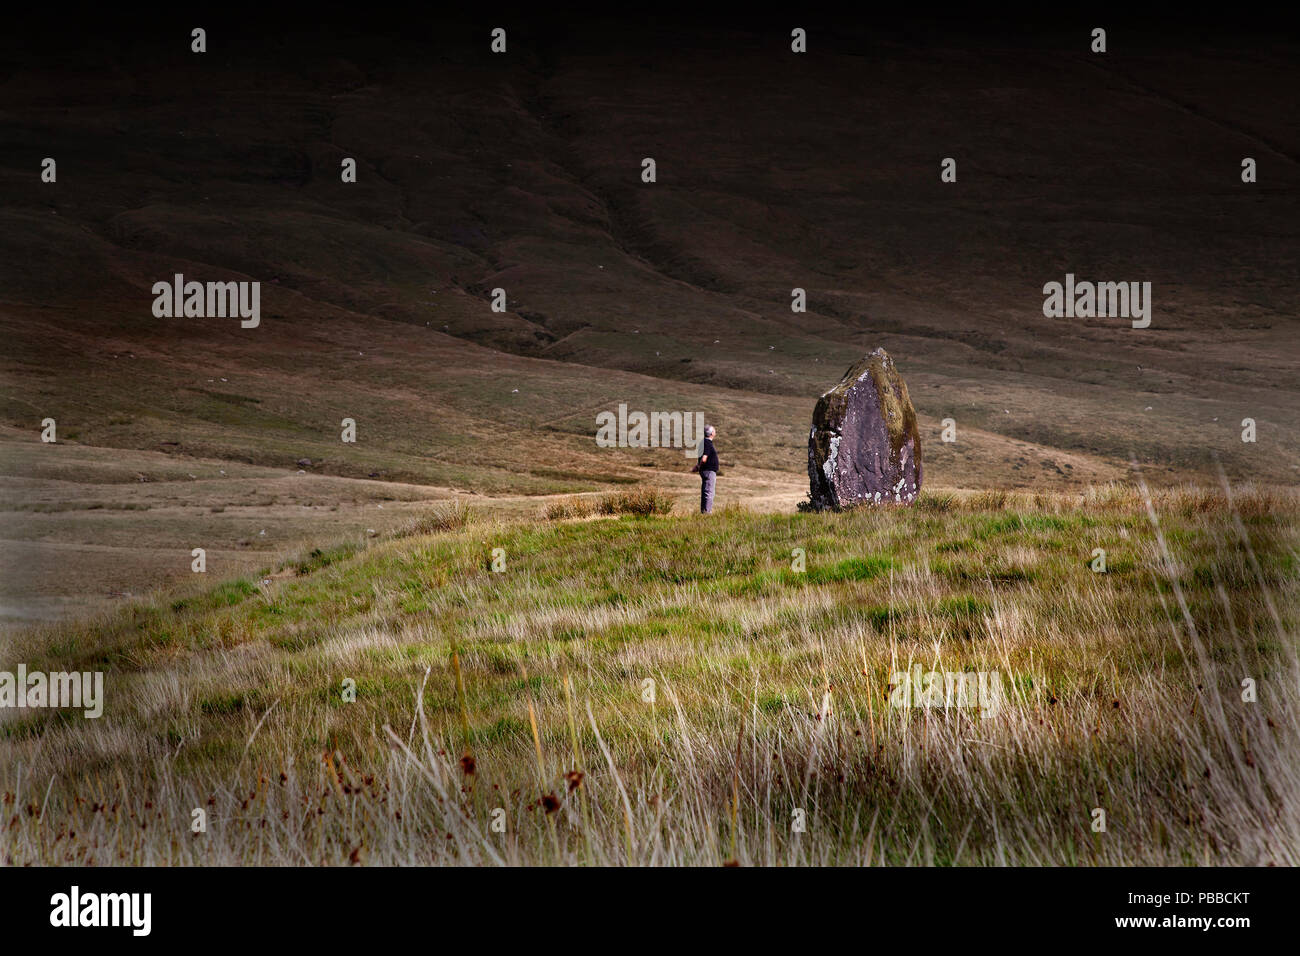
(657, 690)
(444, 516)
(569, 508)
(642, 500)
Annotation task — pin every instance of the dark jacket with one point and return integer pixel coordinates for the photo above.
(710, 457)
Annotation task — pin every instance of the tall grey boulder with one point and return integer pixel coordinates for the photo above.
(864, 447)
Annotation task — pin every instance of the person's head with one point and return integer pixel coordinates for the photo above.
(709, 432)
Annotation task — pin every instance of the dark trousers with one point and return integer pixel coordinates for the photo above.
(707, 478)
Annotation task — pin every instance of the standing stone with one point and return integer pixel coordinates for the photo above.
(864, 446)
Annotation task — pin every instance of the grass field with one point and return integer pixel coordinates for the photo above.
(667, 689)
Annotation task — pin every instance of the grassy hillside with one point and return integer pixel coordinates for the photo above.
(522, 172)
(525, 691)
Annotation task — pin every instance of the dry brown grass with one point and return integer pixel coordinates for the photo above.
(444, 516)
(642, 500)
(568, 508)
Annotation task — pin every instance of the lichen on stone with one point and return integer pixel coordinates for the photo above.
(864, 441)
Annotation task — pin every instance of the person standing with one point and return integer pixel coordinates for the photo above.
(708, 468)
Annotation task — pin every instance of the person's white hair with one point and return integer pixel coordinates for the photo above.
(709, 431)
